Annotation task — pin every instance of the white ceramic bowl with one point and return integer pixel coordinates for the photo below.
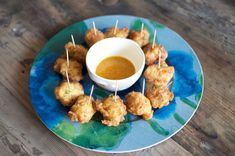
(115, 47)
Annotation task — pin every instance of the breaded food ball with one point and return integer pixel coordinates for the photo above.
(82, 110)
(74, 69)
(138, 104)
(152, 53)
(123, 32)
(158, 76)
(58, 63)
(67, 94)
(91, 38)
(141, 39)
(159, 96)
(113, 111)
(77, 53)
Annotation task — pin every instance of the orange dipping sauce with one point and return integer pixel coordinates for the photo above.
(115, 68)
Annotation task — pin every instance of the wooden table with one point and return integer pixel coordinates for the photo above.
(208, 26)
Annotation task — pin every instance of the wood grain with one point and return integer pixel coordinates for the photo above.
(208, 26)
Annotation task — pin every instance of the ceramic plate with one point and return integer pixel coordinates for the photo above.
(133, 134)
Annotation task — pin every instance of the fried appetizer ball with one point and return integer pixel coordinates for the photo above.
(74, 70)
(58, 63)
(67, 94)
(138, 104)
(123, 33)
(77, 53)
(152, 54)
(113, 111)
(158, 76)
(142, 40)
(91, 38)
(82, 110)
(159, 96)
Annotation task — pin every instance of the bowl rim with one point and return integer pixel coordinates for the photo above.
(109, 80)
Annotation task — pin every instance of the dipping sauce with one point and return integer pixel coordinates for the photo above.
(115, 68)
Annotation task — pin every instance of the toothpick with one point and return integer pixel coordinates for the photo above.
(143, 86)
(67, 56)
(116, 90)
(73, 41)
(92, 88)
(159, 58)
(67, 77)
(66, 71)
(169, 84)
(142, 28)
(94, 27)
(115, 29)
(154, 38)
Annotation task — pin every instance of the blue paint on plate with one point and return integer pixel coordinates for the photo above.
(165, 112)
(186, 80)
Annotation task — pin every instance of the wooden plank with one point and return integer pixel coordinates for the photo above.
(208, 26)
(21, 133)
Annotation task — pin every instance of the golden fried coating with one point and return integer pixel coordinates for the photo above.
(159, 96)
(163, 64)
(113, 111)
(58, 63)
(123, 33)
(77, 53)
(152, 54)
(158, 76)
(74, 70)
(91, 38)
(142, 40)
(82, 110)
(67, 94)
(138, 104)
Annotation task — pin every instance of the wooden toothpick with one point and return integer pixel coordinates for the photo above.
(143, 86)
(142, 28)
(94, 27)
(67, 56)
(159, 58)
(169, 84)
(73, 41)
(92, 88)
(115, 29)
(66, 71)
(154, 38)
(116, 90)
(67, 76)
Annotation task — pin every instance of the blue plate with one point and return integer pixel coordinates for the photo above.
(133, 134)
